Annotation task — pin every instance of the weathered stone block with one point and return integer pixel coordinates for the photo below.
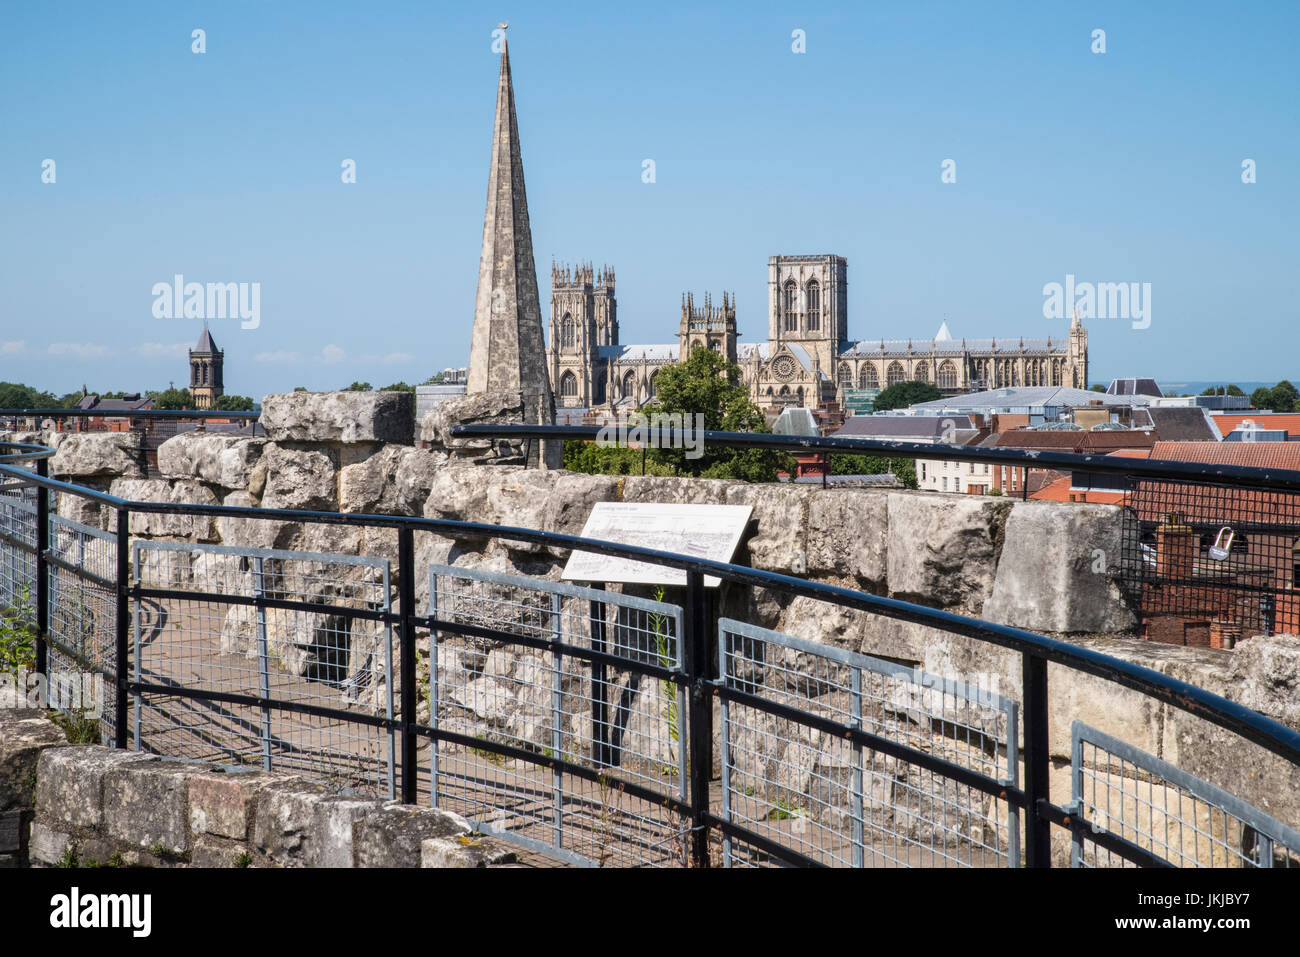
(158, 525)
(24, 735)
(70, 782)
(222, 805)
(346, 417)
(392, 836)
(482, 408)
(144, 804)
(951, 548)
(848, 534)
(284, 822)
(781, 514)
(463, 851)
(104, 454)
(299, 478)
(47, 846)
(655, 488)
(1053, 570)
(224, 460)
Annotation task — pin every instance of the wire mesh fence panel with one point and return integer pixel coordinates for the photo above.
(838, 802)
(606, 715)
(1210, 564)
(17, 548)
(294, 629)
(1123, 792)
(82, 621)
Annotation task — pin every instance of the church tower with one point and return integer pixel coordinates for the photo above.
(808, 300)
(1077, 357)
(584, 318)
(206, 379)
(713, 327)
(508, 350)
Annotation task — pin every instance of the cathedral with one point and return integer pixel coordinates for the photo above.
(808, 358)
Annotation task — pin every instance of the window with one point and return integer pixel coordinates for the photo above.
(947, 376)
(650, 386)
(945, 483)
(629, 384)
(922, 373)
(568, 385)
(814, 305)
(790, 307)
(846, 376)
(566, 332)
(894, 374)
(867, 378)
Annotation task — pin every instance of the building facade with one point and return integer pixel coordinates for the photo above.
(808, 358)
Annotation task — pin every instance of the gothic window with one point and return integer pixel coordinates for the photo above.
(791, 307)
(568, 385)
(629, 384)
(894, 374)
(814, 306)
(799, 394)
(715, 345)
(566, 332)
(785, 390)
(922, 373)
(846, 376)
(598, 392)
(947, 376)
(867, 378)
(650, 385)
(1056, 372)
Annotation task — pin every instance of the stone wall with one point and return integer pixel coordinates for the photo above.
(1034, 565)
(88, 806)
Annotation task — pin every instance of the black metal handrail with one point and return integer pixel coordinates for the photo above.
(127, 414)
(1272, 479)
(1036, 650)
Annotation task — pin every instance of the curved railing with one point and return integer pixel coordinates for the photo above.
(691, 668)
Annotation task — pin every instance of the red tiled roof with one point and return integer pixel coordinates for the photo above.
(1227, 421)
(1264, 455)
(1059, 491)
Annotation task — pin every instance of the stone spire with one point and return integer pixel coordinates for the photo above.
(508, 352)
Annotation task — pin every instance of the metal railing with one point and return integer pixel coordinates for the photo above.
(824, 757)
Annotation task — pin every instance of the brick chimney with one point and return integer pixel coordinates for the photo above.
(1176, 548)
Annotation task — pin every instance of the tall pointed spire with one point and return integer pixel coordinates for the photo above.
(508, 352)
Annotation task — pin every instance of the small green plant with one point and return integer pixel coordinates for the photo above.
(785, 811)
(115, 860)
(77, 727)
(659, 628)
(69, 858)
(243, 859)
(162, 853)
(494, 757)
(18, 635)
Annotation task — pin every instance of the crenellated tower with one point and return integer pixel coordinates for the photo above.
(713, 327)
(584, 318)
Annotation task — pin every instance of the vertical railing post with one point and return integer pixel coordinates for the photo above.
(599, 732)
(42, 574)
(122, 629)
(859, 811)
(263, 660)
(406, 638)
(1038, 829)
(701, 718)
(557, 716)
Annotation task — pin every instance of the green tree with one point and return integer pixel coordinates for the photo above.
(1233, 390)
(707, 385)
(1283, 397)
(14, 395)
(359, 387)
(174, 399)
(300, 388)
(1098, 388)
(902, 394)
(904, 469)
(397, 387)
(234, 403)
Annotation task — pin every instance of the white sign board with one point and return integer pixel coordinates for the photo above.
(700, 531)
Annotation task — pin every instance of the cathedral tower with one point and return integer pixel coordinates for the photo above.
(713, 327)
(808, 305)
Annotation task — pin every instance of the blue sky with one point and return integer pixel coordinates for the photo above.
(225, 166)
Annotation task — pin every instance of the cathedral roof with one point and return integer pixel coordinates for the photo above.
(640, 353)
(1011, 345)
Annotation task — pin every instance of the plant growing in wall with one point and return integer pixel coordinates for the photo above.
(18, 635)
(659, 628)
